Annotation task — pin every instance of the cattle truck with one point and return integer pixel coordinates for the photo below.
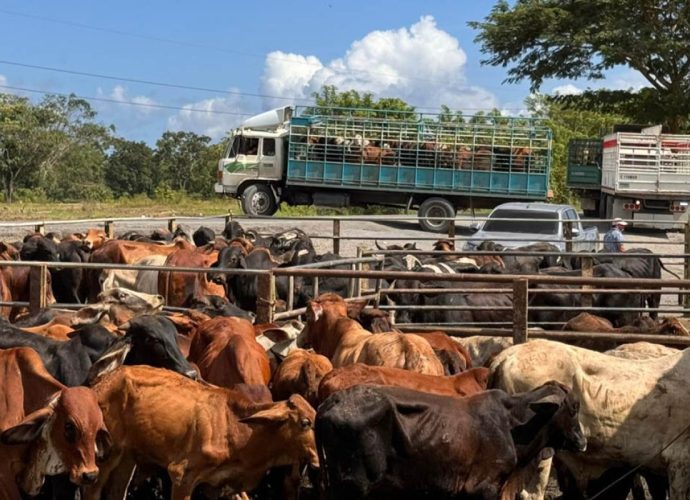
(643, 175)
(352, 157)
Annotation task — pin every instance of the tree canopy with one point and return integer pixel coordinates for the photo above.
(570, 39)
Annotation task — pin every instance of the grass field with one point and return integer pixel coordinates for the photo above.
(142, 206)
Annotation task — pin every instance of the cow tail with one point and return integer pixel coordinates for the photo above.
(668, 270)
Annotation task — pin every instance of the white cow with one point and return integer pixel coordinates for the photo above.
(630, 409)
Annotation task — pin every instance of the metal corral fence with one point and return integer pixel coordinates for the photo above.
(518, 286)
(363, 282)
(339, 223)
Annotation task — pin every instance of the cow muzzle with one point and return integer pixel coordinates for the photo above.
(84, 477)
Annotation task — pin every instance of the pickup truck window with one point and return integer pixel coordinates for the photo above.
(523, 226)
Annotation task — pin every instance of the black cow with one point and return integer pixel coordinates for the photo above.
(149, 340)
(38, 248)
(233, 230)
(67, 282)
(70, 361)
(296, 242)
(214, 305)
(390, 442)
(494, 301)
(524, 264)
(243, 288)
(203, 235)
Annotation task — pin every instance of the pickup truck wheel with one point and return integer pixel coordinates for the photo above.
(435, 207)
(258, 199)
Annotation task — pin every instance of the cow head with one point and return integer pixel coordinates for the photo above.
(66, 436)
(290, 424)
(37, 247)
(149, 340)
(93, 239)
(552, 417)
(203, 235)
(231, 257)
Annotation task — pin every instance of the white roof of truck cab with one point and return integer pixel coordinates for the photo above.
(542, 207)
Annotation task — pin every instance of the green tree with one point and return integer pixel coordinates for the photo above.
(130, 168)
(540, 39)
(37, 139)
(178, 159)
(330, 97)
(566, 124)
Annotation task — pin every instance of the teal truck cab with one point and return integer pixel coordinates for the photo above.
(354, 157)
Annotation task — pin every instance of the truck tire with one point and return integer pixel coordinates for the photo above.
(258, 199)
(436, 207)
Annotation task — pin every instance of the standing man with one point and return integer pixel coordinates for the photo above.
(613, 239)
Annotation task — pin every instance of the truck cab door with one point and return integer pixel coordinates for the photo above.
(267, 158)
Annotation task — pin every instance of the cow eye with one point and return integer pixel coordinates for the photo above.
(576, 408)
(70, 432)
(306, 423)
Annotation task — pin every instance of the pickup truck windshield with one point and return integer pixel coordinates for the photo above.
(522, 226)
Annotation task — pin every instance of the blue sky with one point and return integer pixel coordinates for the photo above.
(420, 51)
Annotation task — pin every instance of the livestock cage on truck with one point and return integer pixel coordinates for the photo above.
(643, 176)
(359, 157)
(403, 158)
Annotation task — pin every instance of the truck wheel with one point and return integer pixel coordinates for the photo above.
(258, 199)
(435, 207)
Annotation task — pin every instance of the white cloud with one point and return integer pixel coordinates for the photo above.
(212, 117)
(119, 93)
(3, 81)
(567, 89)
(422, 65)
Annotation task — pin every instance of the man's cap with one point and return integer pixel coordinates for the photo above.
(619, 222)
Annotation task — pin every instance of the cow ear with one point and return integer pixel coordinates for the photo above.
(548, 405)
(28, 429)
(354, 308)
(112, 359)
(278, 413)
(89, 315)
(314, 311)
(103, 445)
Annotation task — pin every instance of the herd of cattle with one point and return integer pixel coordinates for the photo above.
(423, 154)
(119, 399)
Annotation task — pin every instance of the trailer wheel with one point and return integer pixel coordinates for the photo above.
(258, 199)
(435, 207)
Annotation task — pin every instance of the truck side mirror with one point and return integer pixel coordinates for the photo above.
(474, 227)
(575, 231)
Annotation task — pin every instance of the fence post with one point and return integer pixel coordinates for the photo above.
(109, 229)
(451, 232)
(586, 272)
(568, 235)
(520, 293)
(228, 219)
(358, 281)
(40, 228)
(265, 299)
(686, 267)
(172, 225)
(336, 236)
(38, 286)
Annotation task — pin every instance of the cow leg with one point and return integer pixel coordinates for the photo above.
(679, 482)
(535, 488)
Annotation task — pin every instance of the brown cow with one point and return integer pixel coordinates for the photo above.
(197, 433)
(227, 353)
(15, 285)
(93, 239)
(463, 384)
(300, 373)
(454, 357)
(586, 322)
(332, 333)
(179, 289)
(47, 428)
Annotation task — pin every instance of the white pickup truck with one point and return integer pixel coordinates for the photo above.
(519, 224)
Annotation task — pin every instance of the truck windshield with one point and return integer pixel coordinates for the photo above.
(522, 226)
(242, 145)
